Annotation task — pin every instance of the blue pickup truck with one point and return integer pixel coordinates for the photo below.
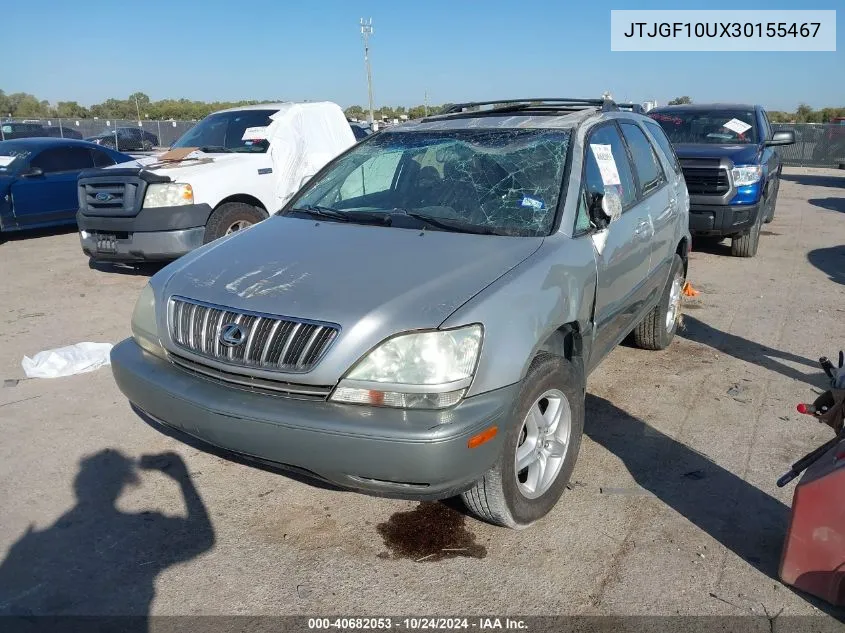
(730, 166)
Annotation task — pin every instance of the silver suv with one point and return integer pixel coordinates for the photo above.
(419, 320)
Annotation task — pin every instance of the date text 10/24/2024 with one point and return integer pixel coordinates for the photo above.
(417, 624)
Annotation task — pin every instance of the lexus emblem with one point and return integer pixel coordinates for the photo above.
(232, 335)
(103, 197)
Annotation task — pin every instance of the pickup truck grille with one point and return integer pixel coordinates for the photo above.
(706, 180)
(264, 341)
(106, 196)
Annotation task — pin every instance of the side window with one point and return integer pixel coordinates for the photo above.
(101, 159)
(63, 159)
(665, 145)
(593, 180)
(646, 165)
(373, 176)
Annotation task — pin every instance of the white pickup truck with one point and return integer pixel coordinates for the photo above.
(232, 170)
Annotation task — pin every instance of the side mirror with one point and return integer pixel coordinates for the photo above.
(33, 172)
(782, 137)
(604, 208)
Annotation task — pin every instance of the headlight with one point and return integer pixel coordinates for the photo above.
(144, 329)
(423, 370)
(746, 174)
(169, 194)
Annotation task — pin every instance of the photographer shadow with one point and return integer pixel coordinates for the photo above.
(98, 560)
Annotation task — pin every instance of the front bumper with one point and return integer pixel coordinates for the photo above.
(157, 234)
(391, 452)
(722, 219)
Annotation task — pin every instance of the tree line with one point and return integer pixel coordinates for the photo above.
(23, 105)
(804, 113)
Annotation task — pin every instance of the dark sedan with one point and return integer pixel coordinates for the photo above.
(38, 179)
(126, 139)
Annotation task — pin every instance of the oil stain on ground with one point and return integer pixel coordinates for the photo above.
(430, 532)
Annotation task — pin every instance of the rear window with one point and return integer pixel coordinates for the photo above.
(715, 127)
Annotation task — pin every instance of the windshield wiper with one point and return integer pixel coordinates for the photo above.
(214, 149)
(446, 224)
(318, 211)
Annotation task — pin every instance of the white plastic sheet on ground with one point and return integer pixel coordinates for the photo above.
(303, 138)
(67, 361)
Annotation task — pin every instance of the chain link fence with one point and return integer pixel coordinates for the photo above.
(816, 144)
(127, 135)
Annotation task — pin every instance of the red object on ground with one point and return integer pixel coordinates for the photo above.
(814, 552)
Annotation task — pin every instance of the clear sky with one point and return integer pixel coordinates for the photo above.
(457, 50)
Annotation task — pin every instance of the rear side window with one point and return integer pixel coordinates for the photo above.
(663, 141)
(101, 159)
(63, 159)
(646, 165)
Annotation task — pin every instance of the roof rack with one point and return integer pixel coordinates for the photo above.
(633, 107)
(553, 105)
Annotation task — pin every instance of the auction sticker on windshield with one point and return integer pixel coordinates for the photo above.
(607, 164)
(735, 125)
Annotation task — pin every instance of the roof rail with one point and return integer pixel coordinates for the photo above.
(544, 105)
(633, 107)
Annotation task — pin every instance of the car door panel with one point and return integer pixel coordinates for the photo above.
(52, 196)
(623, 250)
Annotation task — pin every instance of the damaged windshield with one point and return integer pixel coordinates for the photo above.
(503, 181)
(720, 127)
(238, 131)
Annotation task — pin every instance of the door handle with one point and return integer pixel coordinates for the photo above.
(642, 229)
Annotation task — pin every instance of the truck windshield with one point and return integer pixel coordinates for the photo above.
(718, 127)
(12, 156)
(500, 181)
(239, 131)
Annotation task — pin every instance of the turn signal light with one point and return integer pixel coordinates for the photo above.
(485, 436)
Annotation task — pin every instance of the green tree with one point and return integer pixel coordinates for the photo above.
(680, 100)
(71, 110)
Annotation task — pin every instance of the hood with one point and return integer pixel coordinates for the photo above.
(739, 154)
(372, 281)
(184, 169)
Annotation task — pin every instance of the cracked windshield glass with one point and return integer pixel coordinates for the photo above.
(498, 182)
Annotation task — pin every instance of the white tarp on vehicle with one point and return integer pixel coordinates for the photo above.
(303, 138)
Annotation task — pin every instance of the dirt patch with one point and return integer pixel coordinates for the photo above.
(769, 233)
(430, 532)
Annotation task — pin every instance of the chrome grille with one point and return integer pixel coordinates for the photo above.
(270, 342)
(252, 383)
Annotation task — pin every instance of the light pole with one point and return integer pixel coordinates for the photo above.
(366, 32)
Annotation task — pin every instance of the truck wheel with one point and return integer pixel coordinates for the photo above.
(539, 450)
(745, 245)
(658, 328)
(231, 217)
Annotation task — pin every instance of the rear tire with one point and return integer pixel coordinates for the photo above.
(658, 328)
(502, 496)
(231, 217)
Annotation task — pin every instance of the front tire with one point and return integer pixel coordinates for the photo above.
(540, 447)
(745, 245)
(658, 328)
(230, 218)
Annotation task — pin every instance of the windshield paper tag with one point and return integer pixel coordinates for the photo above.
(607, 164)
(255, 134)
(735, 125)
(531, 202)
(6, 160)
